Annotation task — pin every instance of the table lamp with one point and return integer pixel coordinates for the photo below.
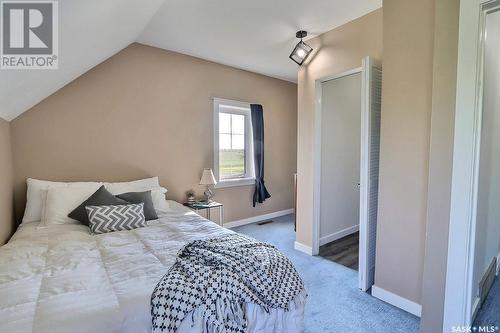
(208, 179)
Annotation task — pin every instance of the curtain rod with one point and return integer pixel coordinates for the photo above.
(231, 100)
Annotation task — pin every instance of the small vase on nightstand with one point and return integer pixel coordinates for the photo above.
(191, 198)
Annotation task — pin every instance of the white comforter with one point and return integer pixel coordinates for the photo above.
(63, 279)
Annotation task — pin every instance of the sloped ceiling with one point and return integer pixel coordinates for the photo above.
(255, 35)
(90, 31)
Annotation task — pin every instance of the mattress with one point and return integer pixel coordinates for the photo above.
(61, 278)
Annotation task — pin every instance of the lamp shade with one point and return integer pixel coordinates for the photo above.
(301, 51)
(207, 178)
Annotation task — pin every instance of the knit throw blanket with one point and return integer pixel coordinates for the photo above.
(214, 279)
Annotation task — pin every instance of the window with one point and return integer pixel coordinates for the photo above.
(233, 146)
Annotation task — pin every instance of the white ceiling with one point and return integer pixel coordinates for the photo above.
(255, 35)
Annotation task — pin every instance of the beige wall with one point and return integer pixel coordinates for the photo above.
(6, 183)
(335, 51)
(440, 163)
(404, 147)
(145, 112)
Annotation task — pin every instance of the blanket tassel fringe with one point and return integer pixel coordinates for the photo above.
(233, 312)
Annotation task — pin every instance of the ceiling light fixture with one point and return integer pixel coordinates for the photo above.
(301, 50)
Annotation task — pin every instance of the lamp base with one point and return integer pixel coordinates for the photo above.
(208, 194)
(301, 34)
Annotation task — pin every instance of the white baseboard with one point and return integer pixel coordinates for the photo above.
(475, 307)
(258, 218)
(303, 248)
(397, 301)
(337, 235)
(498, 263)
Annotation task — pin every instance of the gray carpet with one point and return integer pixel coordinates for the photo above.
(489, 313)
(335, 303)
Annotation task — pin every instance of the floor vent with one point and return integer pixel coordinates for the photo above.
(264, 222)
(487, 280)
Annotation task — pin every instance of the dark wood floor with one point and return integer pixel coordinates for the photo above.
(344, 251)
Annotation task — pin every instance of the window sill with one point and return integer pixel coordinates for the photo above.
(235, 182)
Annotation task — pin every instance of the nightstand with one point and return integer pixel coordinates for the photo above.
(208, 207)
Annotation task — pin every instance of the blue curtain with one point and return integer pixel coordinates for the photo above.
(260, 194)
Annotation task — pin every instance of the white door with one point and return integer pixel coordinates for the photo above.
(371, 93)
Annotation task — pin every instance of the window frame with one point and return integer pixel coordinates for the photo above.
(240, 108)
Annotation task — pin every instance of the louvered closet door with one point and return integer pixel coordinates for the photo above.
(369, 172)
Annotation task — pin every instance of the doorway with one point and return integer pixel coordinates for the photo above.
(474, 234)
(340, 164)
(487, 242)
(346, 152)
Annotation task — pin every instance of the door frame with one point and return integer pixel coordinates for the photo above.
(458, 303)
(366, 276)
(317, 153)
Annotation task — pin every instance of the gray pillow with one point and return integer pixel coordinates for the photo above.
(104, 219)
(101, 197)
(141, 197)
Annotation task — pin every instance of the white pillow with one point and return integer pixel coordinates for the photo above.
(63, 200)
(35, 196)
(36, 193)
(158, 197)
(141, 185)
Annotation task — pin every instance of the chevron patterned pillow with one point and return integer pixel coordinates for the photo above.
(115, 217)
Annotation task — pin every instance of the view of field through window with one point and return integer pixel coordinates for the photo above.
(231, 145)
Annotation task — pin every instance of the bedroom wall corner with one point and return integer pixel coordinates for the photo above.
(404, 146)
(335, 51)
(6, 183)
(440, 163)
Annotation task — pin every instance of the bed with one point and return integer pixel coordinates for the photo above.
(60, 278)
